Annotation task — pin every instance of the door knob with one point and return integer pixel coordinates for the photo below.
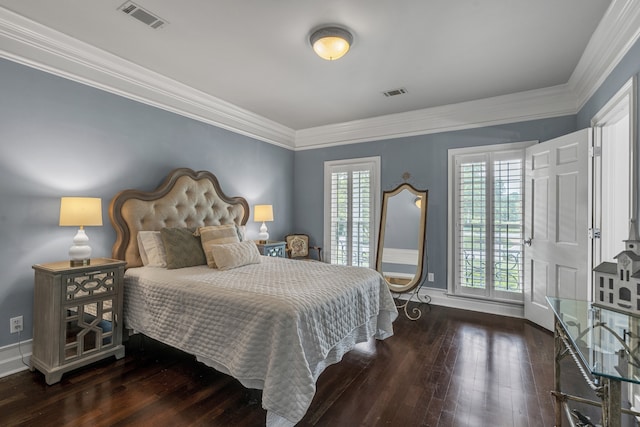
(527, 242)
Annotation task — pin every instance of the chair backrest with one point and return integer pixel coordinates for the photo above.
(297, 245)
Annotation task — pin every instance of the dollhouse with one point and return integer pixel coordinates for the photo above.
(617, 285)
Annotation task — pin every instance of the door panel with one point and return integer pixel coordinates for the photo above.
(567, 204)
(539, 270)
(556, 221)
(567, 281)
(568, 154)
(540, 192)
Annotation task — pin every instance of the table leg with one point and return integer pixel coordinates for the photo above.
(557, 346)
(611, 403)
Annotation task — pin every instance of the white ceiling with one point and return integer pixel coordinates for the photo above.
(255, 54)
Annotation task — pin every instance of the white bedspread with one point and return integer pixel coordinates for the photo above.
(274, 326)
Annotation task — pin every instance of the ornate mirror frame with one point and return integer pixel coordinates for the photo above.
(402, 285)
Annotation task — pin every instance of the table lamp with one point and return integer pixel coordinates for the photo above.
(263, 213)
(80, 212)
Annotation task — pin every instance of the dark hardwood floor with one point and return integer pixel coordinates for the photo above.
(450, 368)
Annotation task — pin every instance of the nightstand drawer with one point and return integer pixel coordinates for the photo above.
(90, 284)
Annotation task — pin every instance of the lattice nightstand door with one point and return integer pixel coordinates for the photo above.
(272, 248)
(77, 315)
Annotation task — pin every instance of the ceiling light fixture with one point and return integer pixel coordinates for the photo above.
(331, 43)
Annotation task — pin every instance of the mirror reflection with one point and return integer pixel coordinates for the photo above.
(402, 237)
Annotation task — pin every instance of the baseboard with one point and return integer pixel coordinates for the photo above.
(11, 359)
(441, 298)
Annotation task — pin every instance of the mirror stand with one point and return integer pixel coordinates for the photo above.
(415, 310)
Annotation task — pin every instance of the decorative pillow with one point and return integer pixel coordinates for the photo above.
(182, 247)
(242, 232)
(216, 235)
(152, 249)
(233, 255)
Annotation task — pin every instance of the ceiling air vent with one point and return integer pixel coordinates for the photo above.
(144, 16)
(395, 92)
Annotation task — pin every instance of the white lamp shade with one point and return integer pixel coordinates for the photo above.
(262, 213)
(80, 211)
(331, 48)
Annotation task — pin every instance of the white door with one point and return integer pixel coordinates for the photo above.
(613, 171)
(557, 214)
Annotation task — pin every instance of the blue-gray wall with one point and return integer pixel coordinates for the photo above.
(60, 138)
(425, 158)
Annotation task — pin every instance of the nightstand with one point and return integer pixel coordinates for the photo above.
(77, 315)
(272, 248)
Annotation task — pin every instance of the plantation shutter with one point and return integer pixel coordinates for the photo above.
(472, 220)
(508, 224)
(340, 225)
(351, 213)
(489, 224)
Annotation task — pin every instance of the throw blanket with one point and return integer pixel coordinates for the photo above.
(274, 326)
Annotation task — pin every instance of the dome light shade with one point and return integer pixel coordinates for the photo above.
(331, 43)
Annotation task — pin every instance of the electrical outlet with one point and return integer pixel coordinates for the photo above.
(15, 325)
(430, 277)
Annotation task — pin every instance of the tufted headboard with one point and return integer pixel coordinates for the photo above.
(185, 199)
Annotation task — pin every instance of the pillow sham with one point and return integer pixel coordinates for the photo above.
(242, 232)
(152, 249)
(234, 255)
(182, 247)
(215, 235)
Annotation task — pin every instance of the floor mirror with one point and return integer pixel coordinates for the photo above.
(401, 244)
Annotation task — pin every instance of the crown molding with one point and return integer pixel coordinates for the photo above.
(40, 47)
(616, 33)
(37, 46)
(523, 106)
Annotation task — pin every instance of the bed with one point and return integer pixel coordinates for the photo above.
(272, 323)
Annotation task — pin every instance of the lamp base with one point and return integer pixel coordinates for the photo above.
(264, 234)
(79, 262)
(80, 252)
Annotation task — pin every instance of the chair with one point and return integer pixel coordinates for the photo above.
(298, 247)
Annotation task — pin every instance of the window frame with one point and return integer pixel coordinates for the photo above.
(489, 154)
(373, 165)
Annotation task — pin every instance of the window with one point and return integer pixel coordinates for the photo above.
(351, 190)
(486, 187)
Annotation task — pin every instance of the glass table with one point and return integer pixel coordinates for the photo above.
(604, 345)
